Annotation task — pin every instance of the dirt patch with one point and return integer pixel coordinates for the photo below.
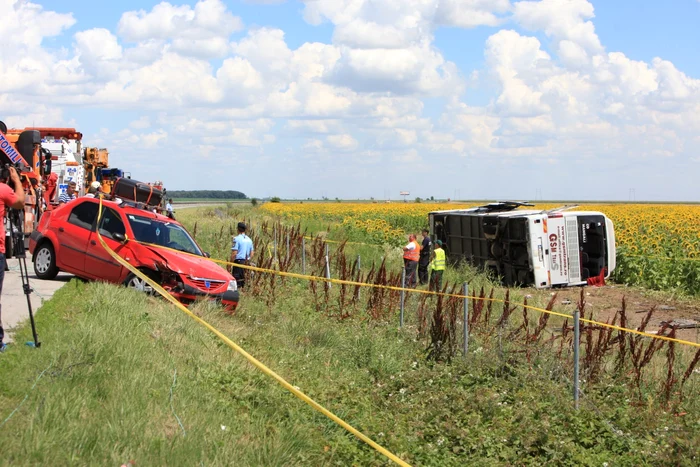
(605, 301)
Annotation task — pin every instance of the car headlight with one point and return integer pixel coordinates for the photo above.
(232, 286)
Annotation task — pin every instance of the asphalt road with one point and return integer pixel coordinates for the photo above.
(14, 301)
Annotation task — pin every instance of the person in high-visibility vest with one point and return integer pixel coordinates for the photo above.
(411, 254)
(437, 267)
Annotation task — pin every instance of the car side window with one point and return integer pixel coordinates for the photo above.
(83, 215)
(177, 236)
(111, 223)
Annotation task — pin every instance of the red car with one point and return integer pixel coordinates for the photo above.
(66, 240)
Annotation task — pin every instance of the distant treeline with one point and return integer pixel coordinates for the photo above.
(206, 194)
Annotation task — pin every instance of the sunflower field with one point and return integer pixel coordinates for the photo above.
(658, 245)
(368, 222)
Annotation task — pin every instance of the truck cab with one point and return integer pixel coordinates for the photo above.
(528, 247)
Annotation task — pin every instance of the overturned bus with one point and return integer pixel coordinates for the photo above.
(529, 247)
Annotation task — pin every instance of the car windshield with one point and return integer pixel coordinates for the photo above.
(162, 233)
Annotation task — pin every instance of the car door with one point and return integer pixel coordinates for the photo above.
(73, 237)
(98, 261)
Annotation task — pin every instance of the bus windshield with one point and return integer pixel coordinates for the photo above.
(161, 233)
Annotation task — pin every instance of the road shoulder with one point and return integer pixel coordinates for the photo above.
(14, 301)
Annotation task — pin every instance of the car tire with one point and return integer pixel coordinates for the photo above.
(44, 259)
(132, 281)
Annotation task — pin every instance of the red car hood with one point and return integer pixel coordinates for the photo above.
(190, 265)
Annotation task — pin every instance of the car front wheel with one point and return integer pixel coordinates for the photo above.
(133, 281)
(44, 259)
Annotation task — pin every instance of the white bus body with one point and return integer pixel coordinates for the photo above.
(528, 247)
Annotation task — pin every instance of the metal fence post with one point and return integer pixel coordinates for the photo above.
(328, 268)
(465, 291)
(359, 265)
(576, 351)
(403, 292)
(303, 255)
(274, 242)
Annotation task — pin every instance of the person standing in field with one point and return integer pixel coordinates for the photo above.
(169, 209)
(411, 255)
(241, 252)
(437, 267)
(424, 260)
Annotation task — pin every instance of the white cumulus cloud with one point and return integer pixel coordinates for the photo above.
(186, 80)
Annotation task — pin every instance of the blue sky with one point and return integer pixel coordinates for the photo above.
(643, 29)
(396, 96)
(647, 29)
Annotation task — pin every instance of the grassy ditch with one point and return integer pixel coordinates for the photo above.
(110, 356)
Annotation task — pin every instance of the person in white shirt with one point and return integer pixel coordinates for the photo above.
(169, 209)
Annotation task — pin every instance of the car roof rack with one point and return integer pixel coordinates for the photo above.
(133, 204)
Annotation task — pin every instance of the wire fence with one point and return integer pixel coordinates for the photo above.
(281, 268)
(633, 349)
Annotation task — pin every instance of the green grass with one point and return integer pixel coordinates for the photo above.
(111, 355)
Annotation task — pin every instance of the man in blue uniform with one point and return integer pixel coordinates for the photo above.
(241, 252)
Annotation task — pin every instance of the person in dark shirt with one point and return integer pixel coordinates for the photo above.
(424, 258)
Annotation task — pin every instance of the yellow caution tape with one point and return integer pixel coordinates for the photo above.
(245, 354)
(429, 292)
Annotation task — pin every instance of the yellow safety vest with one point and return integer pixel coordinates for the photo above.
(438, 263)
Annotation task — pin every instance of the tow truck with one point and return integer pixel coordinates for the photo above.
(22, 149)
(71, 162)
(97, 169)
(50, 158)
